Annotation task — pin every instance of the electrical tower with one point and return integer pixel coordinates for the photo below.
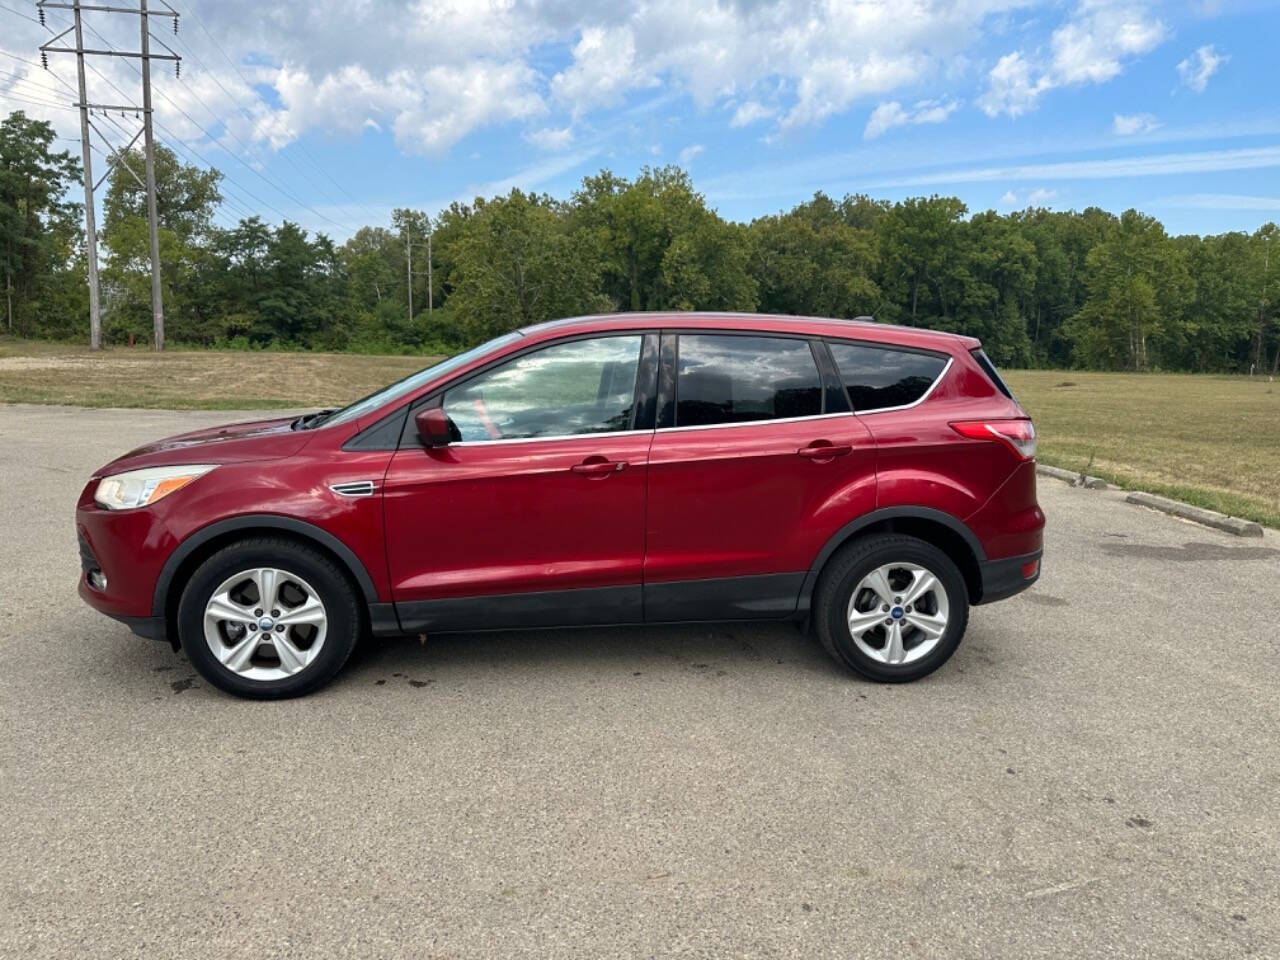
(118, 157)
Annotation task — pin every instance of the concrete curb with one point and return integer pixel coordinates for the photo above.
(1210, 518)
(1073, 478)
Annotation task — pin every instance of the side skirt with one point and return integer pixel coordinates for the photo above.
(516, 611)
(768, 597)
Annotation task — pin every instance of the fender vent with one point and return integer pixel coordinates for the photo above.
(355, 488)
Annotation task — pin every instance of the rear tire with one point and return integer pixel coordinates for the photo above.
(268, 618)
(891, 607)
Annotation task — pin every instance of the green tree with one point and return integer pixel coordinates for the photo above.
(918, 251)
(517, 263)
(186, 197)
(304, 296)
(40, 238)
(992, 283)
(660, 246)
(811, 260)
(371, 258)
(1138, 288)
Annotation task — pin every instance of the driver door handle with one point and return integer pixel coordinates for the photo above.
(821, 450)
(598, 467)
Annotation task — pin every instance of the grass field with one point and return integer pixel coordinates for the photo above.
(1213, 441)
(1209, 440)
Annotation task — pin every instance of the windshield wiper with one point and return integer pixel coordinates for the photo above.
(311, 420)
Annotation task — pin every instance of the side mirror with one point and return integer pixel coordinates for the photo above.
(434, 427)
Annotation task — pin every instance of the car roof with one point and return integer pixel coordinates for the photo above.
(862, 328)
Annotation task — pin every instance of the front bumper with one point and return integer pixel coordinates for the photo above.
(93, 589)
(1002, 579)
(121, 555)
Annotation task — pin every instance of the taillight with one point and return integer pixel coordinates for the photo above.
(1018, 435)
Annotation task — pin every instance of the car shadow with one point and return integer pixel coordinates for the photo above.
(642, 649)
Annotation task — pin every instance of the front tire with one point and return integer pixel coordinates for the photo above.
(268, 618)
(892, 607)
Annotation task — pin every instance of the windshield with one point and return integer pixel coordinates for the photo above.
(412, 382)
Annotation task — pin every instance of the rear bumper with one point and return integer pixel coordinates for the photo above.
(1002, 579)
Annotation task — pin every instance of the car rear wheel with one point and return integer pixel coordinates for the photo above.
(892, 607)
(268, 618)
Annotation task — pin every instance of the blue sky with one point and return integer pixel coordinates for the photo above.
(333, 113)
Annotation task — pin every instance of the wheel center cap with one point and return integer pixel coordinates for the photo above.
(266, 623)
(896, 613)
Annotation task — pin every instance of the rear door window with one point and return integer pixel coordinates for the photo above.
(725, 379)
(880, 378)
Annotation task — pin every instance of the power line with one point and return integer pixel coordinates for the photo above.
(186, 45)
(174, 139)
(36, 103)
(212, 139)
(302, 149)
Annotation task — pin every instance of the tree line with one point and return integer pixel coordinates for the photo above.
(1041, 288)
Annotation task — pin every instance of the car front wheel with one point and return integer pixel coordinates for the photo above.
(892, 607)
(268, 618)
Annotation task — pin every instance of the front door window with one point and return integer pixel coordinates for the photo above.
(569, 389)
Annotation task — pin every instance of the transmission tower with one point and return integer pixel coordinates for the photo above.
(118, 157)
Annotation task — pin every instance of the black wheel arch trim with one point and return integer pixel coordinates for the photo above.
(256, 522)
(879, 516)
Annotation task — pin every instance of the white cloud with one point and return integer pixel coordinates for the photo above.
(1129, 124)
(1219, 201)
(689, 152)
(534, 175)
(750, 112)
(1010, 87)
(1091, 47)
(1039, 197)
(1207, 161)
(1195, 71)
(433, 72)
(551, 138)
(429, 110)
(892, 114)
(604, 68)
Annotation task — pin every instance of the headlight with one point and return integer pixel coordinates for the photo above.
(141, 488)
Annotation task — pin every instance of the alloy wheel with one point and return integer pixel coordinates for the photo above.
(265, 624)
(898, 613)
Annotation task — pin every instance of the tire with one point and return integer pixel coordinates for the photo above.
(928, 631)
(222, 620)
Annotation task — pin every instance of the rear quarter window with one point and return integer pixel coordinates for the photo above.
(880, 378)
(989, 369)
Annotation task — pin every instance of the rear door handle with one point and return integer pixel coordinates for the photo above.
(821, 450)
(598, 467)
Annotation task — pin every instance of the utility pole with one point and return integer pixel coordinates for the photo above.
(408, 246)
(118, 157)
(430, 230)
(90, 226)
(157, 297)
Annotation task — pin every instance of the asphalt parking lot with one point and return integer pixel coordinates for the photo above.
(1095, 773)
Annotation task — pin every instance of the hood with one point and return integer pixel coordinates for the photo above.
(235, 442)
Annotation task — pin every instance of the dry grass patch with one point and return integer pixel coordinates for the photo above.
(192, 380)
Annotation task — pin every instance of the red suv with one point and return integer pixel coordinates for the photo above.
(632, 468)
